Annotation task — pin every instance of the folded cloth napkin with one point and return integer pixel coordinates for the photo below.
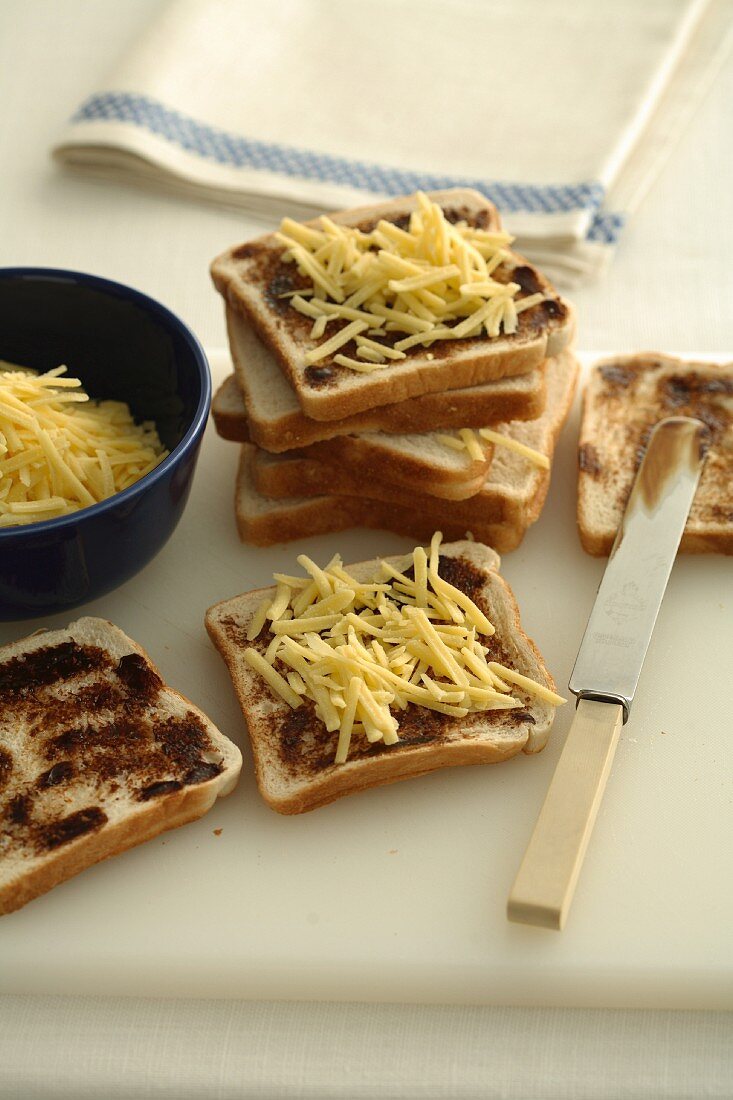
(560, 112)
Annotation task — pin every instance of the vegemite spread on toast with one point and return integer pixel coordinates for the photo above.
(93, 724)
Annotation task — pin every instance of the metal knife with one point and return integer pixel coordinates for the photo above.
(607, 668)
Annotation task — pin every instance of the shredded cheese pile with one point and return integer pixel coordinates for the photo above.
(416, 280)
(60, 451)
(466, 441)
(360, 651)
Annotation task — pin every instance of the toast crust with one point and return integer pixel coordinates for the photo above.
(100, 755)
(382, 465)
(293, 755)
(513, 491)
(250, 277)
(624, 398)
(179, 809)
(521, 397)
(264, 522)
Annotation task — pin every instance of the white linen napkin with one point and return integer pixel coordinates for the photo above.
(561, 112)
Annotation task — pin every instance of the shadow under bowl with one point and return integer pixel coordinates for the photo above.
(126, 347)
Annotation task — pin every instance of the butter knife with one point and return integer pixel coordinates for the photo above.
(608, 666)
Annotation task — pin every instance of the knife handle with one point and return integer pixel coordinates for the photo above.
(545, 884)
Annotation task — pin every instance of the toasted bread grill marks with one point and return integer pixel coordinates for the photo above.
(551, 307)
(296, 744)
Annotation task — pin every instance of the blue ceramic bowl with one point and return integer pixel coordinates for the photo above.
(122, 345)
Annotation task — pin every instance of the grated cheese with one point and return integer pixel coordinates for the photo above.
(61, 451)
(362, 651)
(529, 453)
(412, 281)
(465, 440)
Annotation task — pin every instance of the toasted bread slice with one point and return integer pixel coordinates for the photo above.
(259, 405)
(97, 755)
(421, 462)
(512, 493)
(262, 521)
(625, 397)
(292, 750)
(252, 276)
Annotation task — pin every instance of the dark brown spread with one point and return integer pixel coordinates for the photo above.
(633, 396)
(69, 828)
(588, 460)
(92, 719)
(6, 766)
(138, 677)
(616, 375)
(19, 809)
(154, 790)
(25, 673)
(59, 773)
(527, 278)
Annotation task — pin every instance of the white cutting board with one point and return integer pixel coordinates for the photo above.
(398, 894)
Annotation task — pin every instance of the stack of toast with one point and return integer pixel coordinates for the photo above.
(392, 440)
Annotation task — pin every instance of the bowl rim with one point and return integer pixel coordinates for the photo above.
(195, 429)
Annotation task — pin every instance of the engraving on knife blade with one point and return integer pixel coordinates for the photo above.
(612, 639)
(624, 605)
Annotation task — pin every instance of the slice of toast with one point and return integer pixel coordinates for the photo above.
(292, 750)
(263, 521)
(623, 400)
(97, 755)
(420, 463)
(259, 405)
(252, 277)
(512, 493)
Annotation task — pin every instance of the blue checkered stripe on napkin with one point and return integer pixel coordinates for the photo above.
(240, 152)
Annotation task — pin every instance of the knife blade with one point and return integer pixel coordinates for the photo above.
(608, 666)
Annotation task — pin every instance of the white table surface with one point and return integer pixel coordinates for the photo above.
(671, 287)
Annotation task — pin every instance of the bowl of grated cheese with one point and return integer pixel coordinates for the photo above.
(104, 398)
